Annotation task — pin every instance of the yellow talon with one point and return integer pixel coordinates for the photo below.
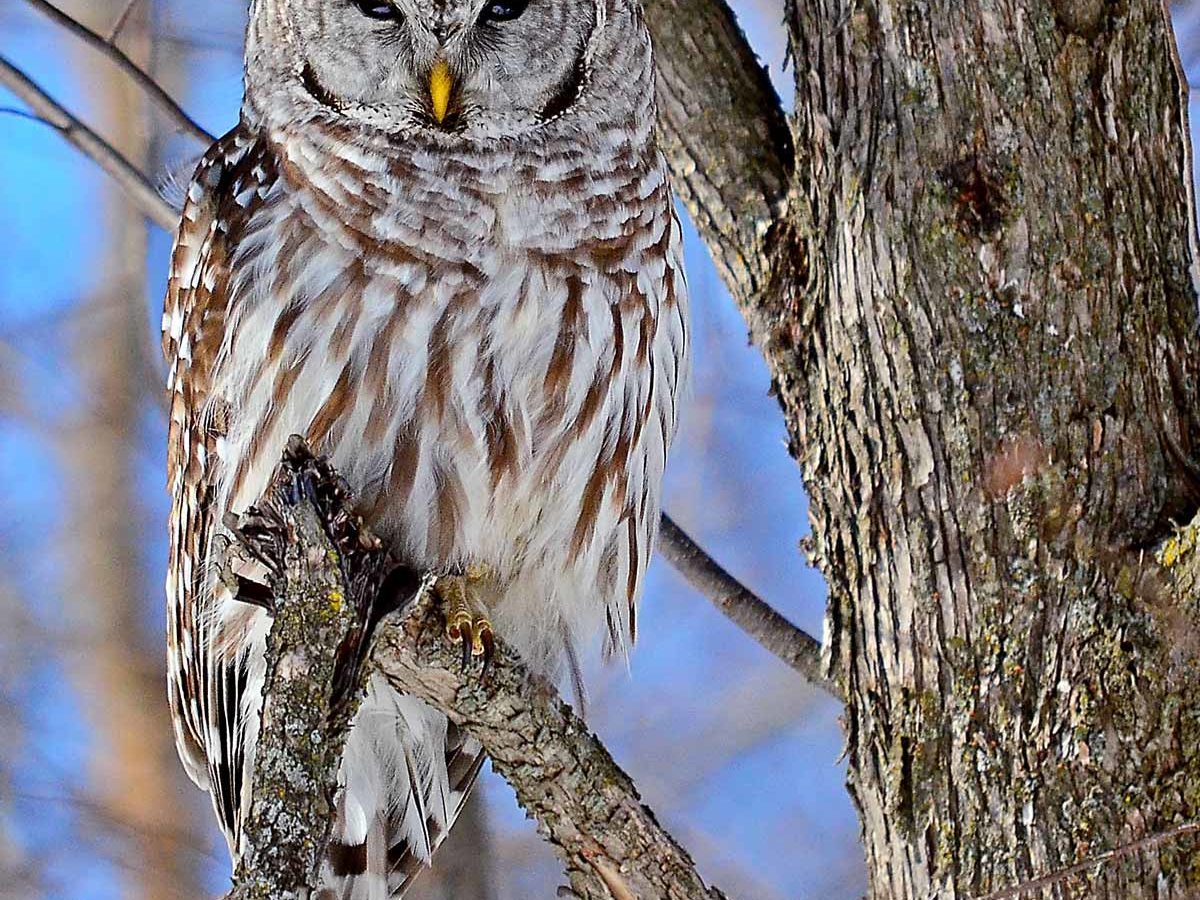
(467, 622)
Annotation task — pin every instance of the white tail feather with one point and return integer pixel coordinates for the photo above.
(397, 801)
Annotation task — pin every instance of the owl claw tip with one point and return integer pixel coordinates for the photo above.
(489, 647)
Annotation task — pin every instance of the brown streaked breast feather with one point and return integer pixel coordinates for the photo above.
(335, 408)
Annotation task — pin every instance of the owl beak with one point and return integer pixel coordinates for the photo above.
(441, 85)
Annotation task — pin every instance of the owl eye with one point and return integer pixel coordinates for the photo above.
(378, 9)
(502, 10)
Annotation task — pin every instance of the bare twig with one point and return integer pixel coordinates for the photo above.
(153, 90)
(91, 144)
(749, 612)
(1050, 879)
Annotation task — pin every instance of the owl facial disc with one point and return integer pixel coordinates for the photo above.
(473, 71)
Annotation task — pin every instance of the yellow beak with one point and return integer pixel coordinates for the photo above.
(441, 83)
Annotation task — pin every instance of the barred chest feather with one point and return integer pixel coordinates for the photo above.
(488, 346)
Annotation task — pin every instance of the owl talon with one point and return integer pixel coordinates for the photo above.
(488, 640)
(466, 617)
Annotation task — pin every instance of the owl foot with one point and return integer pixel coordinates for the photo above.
(467, 620)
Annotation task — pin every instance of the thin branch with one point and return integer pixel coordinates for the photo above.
(23, 114)
(91, 144)
(119, 25)
(747, 610)
(153, 90)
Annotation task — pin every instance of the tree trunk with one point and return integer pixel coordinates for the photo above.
(989, 372)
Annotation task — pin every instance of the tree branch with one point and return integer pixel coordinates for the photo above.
(586, 806)
(91, 144)
(326, 575)
(749, 612)
(728, 145)
(106, 46)
(119, 25)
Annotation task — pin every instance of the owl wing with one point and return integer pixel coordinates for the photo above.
(648, 412)
(407, 802)
(205, 688)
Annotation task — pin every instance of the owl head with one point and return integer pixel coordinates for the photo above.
(464, 69)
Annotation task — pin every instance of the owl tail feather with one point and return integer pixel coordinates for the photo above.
(406, 773)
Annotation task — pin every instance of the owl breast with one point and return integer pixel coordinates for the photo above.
(489, 349)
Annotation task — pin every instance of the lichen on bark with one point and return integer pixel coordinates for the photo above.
(326, 575)
(290, 819)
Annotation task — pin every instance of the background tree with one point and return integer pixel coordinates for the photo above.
(128, 805)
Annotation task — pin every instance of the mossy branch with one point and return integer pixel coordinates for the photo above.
(325, 576)
(331, 583)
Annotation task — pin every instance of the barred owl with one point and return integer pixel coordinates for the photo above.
(440, 246)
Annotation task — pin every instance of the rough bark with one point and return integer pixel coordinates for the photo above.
(331, 584)
(992, 391)
(326, 575)
(295, 771)
(729, 148)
